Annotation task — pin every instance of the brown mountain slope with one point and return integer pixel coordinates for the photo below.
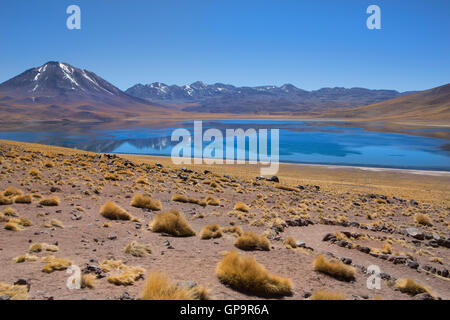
(431, 105)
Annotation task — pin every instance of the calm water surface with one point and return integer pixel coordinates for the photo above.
(300, 142)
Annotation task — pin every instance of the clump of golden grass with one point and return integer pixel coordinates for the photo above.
(57, 223)
(423, 219)
(137, 250)
(158, 287)
(10, 212)
(211, 201)
(326, 295)
(109, 265)
(251, 241)
(290, 243)
(56, 264)
(244, 274)
(87, 281)
(240, 206)
(5, 200)
(24, 258)
(12, 192)
(182, 198)
(49, 164)
(34, 172)
(145, 202)
(179, 198)
(172, 222)
(112, 211)
(334, 268)
(141, 180)
(211, 231)
(127, 277)
(38, 247)
(286, 188)
(411, 287)
(387, 248)
(25, 199)
(50, 202)
(15, 292)
(112, 176)
(12, 226)
(21, 221)
(234, 230)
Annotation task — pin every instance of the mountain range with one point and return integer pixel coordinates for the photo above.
(57, 90)
(225, 98)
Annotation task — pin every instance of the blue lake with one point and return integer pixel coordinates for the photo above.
(299, 142)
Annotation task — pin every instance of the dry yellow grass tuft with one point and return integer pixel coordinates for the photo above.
(211, 201)
(211, 231)
(137, 250)
(158, 287)
(411, 287)
(244, 274)
(10, 212)
(109, 265)
(290, 243)
(241, 207)
(21, 221)
(25, 199)
(112, 211)
(12, 192)
(50, 202)
(34, 172)
(182, 198)
(326, 295)
(286, 188)
(12, 226)
(423, 219)
(38, 247)
(334, 268)
(57, 223)
(127, 277)
(172, 222)
(87, 281)
(56, 264)
(145, 202)
(25, 258)
(234, 230)
(251, 241)
(49, 164)
(14, 292)
(5, 200)
(179, 198)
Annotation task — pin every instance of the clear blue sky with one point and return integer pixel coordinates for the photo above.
(311, 44)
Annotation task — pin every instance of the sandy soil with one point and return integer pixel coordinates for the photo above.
(376, 207)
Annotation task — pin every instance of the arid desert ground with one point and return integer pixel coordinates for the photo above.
(130, 221)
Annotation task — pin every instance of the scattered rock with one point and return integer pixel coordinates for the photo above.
(187, 284)
(423, 296)
(112, 237)
(415, 233)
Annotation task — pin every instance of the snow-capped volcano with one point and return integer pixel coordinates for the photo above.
(57, 82)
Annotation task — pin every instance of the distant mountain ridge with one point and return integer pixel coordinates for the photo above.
(225, 98)
(429, 105)
(60, 90)
(57, 82)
